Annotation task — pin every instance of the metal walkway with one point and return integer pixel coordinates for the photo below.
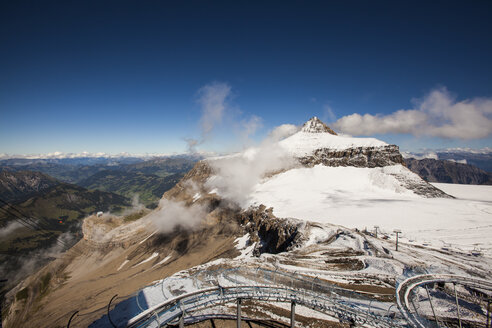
(262, 285)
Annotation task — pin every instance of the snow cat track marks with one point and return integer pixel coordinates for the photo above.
(450, 257)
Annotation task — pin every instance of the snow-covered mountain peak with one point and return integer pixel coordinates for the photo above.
(316, 135)
(314, 125)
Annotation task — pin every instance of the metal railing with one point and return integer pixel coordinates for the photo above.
(407, 291)
(215, 287)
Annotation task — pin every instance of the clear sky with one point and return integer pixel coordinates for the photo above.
(143, 76)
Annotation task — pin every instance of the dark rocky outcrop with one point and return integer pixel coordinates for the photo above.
(273, 235)
(358, 157)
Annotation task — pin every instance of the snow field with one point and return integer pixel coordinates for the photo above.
(365, 197)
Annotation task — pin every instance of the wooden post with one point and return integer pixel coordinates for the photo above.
(457, 304)
(488, 312)
(292, 314)
(238, 313)
(397, 231)
(432, 307)
(1, 301)
(181, 321)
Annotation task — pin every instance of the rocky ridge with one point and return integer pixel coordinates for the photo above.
(357, 157)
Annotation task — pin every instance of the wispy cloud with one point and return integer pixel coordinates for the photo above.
(9, 228)
(328, 114)
(235, 176)
(215, 105)
(438, 114)
(172, 214)
(213, 101)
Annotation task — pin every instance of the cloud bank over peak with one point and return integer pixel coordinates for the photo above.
(438, 114)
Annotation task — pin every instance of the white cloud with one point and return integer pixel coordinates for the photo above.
(427, 155)
(459, 161)
(9, 228)
(218, 114)
(237, 175)
(328, 114)
(249, 127)
(281, 132)
(213, 101)
(173, 214)
(437, 115)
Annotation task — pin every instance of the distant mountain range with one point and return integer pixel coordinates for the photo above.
(149, 187)
(41, 210)
(447, 171)
(57, 193)
(481, 158)
(125, 176)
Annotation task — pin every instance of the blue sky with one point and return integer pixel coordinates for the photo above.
(125, 76)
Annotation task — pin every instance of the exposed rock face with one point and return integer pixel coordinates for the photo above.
(194, 179)
(358, 157)
(421, 187)
(273, 235)
(445, 171)
(20, 185)
(314, 125)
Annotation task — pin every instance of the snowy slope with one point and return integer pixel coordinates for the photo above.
(316, 135)
(305, 143)
(390, 196)
(364, 197)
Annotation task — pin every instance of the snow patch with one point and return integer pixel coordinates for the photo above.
(242, 241)
(164, 260)
(122, 265)
(153, 256)
(196, 197)
(141, 242)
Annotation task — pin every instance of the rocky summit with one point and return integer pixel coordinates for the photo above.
(314, 125)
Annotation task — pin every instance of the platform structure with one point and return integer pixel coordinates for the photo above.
(438, 300)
